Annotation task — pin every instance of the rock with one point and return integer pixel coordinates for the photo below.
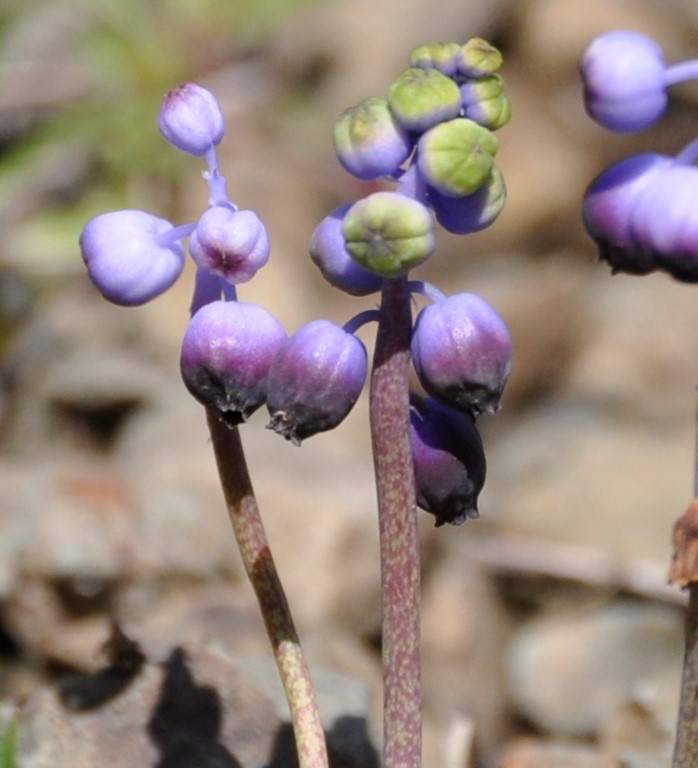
(198, 706)
(463, 641)
(536, 753)
(569, 674)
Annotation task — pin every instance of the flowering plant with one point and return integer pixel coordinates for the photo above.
(432, 137)
(641, 213)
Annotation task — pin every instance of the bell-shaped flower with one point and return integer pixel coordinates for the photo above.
(608, 211)
(226, 353)
(314, 380)
(462, 353)
(449, 461)
(665, 221)
(131, 256)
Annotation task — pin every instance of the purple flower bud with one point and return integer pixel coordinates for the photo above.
(462, 353)
(231, 244)
(369, 141)
(191, 119)
(624, 81)
(314, 380)
(449, 461)
(129, 256)
(226, 353)
(471, 213)
(665, 221)
(328, 251)
(608, 210)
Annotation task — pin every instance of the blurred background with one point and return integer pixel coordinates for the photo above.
(550, 635)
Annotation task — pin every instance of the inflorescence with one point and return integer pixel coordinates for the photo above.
(641, 210)
(432, 137)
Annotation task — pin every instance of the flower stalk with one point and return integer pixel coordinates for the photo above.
(399, 540)
(261, 570)
(684, 572)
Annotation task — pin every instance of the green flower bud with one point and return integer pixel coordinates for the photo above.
(485, 103)
(457, 157)
(478, 58)
(441, 56)
(388, 233)
(420, 98)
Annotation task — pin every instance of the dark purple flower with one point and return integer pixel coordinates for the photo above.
(328, 251)
(449, 461)
(624, 81)
(130, 257)
(665, 221)
(226, 353)
(608, 210)
(314, 380)
(462, 352)
(191, 119)
(229, 243)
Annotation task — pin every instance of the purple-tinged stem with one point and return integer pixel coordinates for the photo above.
(399, 540)
(686, 746)
(259, 564)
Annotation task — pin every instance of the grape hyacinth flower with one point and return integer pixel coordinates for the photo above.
(643, 216)
(131, 256)
(314, 380)
(624, 77)
(449, 461)
(227, 351)
(462, 353)
(640, 211)
(432, 135)
(191, 119)
(230, 243)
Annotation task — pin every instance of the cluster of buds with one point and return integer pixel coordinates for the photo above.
(235, 356)
(432, 136)
(641, 210)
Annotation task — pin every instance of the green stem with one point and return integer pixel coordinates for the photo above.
(399, 539)
(259, 564)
